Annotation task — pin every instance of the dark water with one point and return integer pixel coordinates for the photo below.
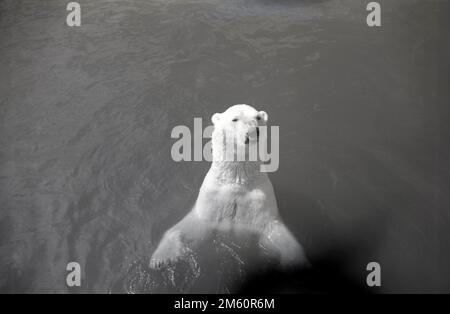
(86, 115)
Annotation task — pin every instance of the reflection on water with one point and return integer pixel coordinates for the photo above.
(86, 115)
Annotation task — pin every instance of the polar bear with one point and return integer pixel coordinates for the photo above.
(235, 196)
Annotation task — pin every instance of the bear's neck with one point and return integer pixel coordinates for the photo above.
(240, 172)
(227, 169)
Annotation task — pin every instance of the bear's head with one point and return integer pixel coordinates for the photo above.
(236, 129)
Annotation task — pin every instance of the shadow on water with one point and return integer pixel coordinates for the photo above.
(329, 274)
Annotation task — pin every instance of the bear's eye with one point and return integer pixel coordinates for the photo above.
(258, 118)
(235, 119)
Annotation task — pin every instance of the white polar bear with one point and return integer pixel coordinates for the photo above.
(235, 196)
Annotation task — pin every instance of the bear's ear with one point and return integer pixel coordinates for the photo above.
(263, 116)
(215, 118)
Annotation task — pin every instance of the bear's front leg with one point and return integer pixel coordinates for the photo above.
(170, 249)
(279, 242)
(178, 241)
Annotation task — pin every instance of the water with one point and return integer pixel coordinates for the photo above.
(86, 115)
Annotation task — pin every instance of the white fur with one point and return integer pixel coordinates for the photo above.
(234, 197)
